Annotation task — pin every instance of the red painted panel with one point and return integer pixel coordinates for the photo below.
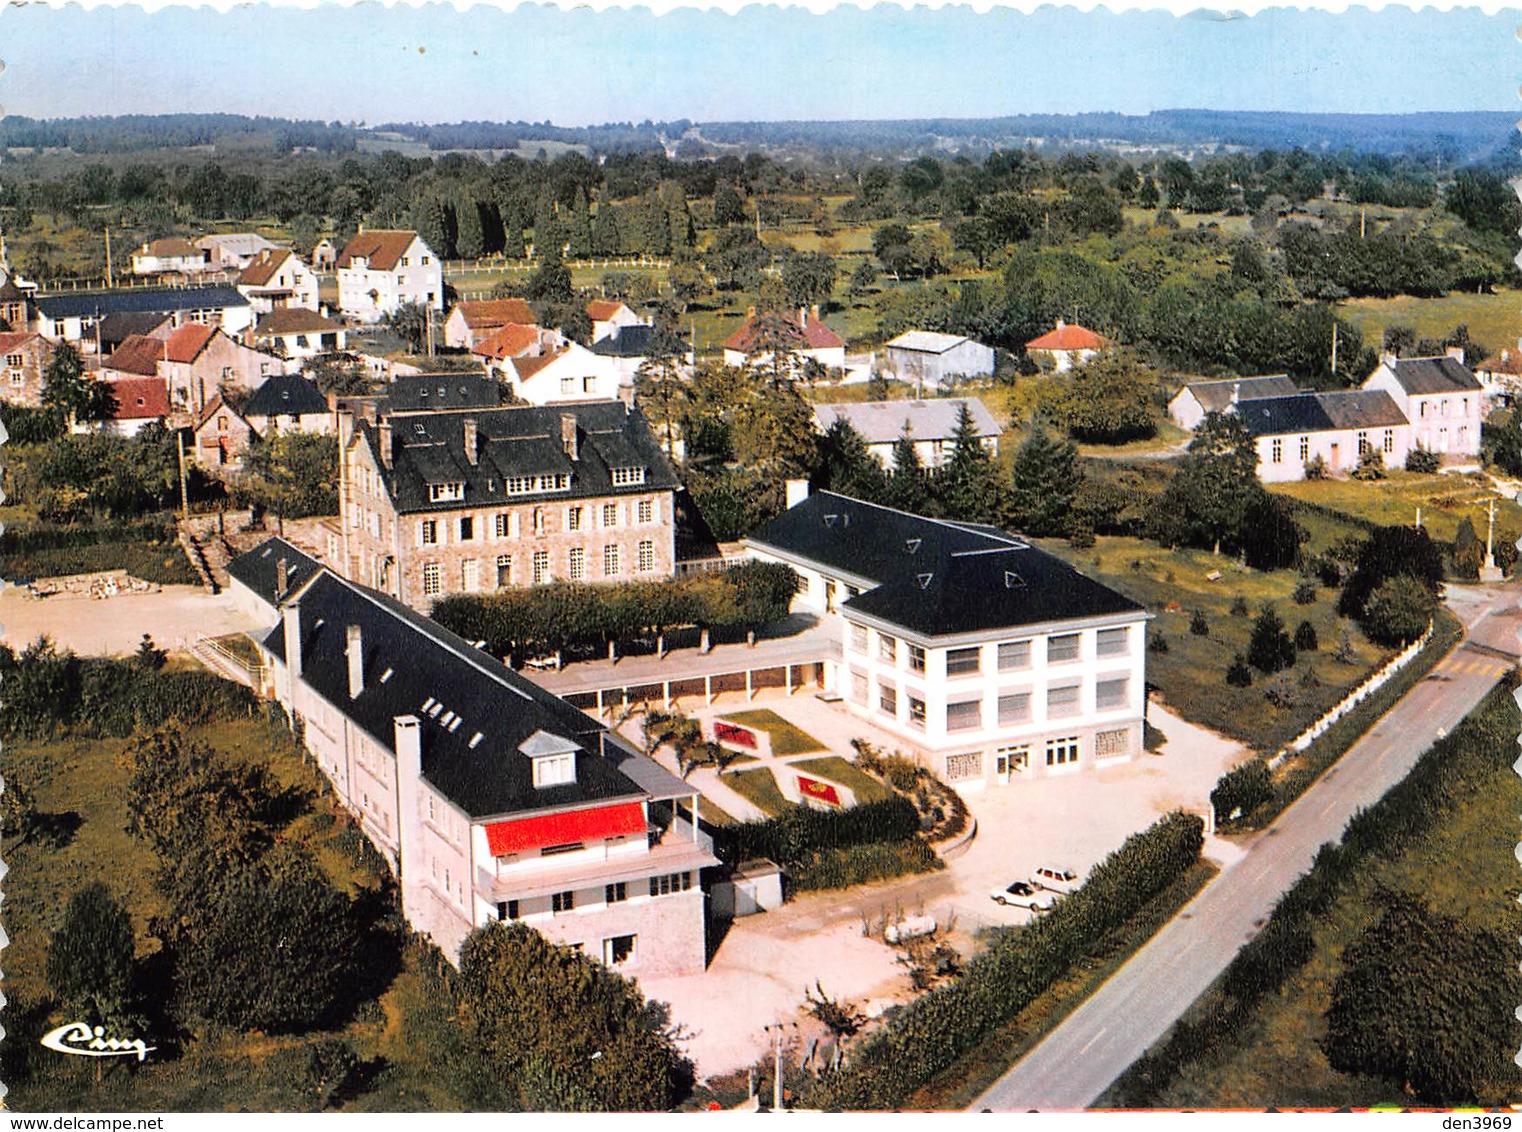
(525, 834)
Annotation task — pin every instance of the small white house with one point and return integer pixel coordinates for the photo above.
(1441, 398)
(815, 341)
(276, 279)
(570, 372)
(931, 425)
(1191, 403)
(1338, 428)
(928, 360)
(234, 251)
(609, 316)
(381, 269)
(169, 256)
(473, 321)
(1066, 346)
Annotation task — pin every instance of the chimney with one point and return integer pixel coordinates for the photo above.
(1388, 358)
(568, 435)
(471, 452)
(383, 433)
(356, 656)
(814, 312)
(1061, 323)
(1236, 392)
(797, 492)
(803, 318)
(411, 866)
(291, 624)
(282, 579)
(1456, 353)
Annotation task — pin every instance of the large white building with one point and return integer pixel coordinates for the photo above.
(491, 798)
(930, 425)
(381, 269)
(1336, 428)
(927, 359)
(1193, 402)
(994, 659)
(1439, 396)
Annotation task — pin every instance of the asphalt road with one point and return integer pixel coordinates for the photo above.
(1080, 1059)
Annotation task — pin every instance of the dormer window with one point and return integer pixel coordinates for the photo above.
(553, 758)
(446, 492)
(628, 477)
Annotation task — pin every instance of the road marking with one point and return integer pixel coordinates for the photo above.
(1092, 1040)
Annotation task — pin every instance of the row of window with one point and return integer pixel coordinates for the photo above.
(1276, 446)
(540, 572)
(1062, 751)
(1442, 408)
(506, 525)
(1061, 648)
(666, 884)
(1063, 701)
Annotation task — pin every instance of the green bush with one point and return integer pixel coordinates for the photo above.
(1239, 672)
(1199, 625)
(1305, 637)
(802, 830)
(862, 864)
(1243, 789)
(1421, 460)
(1305, 592)
(933, 1031)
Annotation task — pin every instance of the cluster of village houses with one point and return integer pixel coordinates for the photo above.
(990, 659)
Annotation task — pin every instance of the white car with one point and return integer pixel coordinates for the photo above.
(1060, 881)
(909, 928)
(1024, 895)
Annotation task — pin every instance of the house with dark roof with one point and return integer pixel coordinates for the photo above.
(994, 659)
(74, 316)
(441, 393)
(813, 341)
(14, 299)
(222, 436)
(492, 799)
(298, 333)
(1191, 403)
(1336, 428)
(610, 317)
(930, 425)
(115, 329)
(1066, 346)
(381, 269)
(474, 320)
(437, 503)
(1441, 398)
(233, 251)
(288, 403)
(260, 580)
(277, 279)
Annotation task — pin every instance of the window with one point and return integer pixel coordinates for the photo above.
(538, 520)
(1114, 642)
(1013, 655)
(573, 519)
(1305, 448)
(1423, 412)
(858, 638)
(916, 658)
(887, 648)
(1062, 752)
(627, 477)
(576, 563)
(610, 514)
(17, 377)
(962, 662)
(432, 578)
(646, 511)
(541, 567)
(610, 560)
(646, 561)
(1109, 744)
(446, 492)
(15, 361)
(964, 715)
(618, 950)
(554, 770)
(1112, 693)
(668, 883)
(470, 575)
(507, 910)
(430, 535)
(1389, 441)
(562, 902)
(405, 263)
(504, 570)
(567, 385)
(1014, 708)
(589, 385)
(959, 767)
(467, 528)
(916, 711)
(858, 687)
(1062, 648)
(1277, 450)
(425, 261)
(499, 525)
(1363, 442)
(1062, 700)
(887, 699)
(615, 893)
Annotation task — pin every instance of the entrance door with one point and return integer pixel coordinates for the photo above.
(1001, 768)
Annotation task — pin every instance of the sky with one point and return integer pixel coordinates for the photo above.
(369, 63)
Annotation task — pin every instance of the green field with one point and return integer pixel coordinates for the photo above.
(1494, 320)
(759, 788)
(787, 739)
(1444, 502)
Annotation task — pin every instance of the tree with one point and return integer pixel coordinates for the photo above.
(1305, 637)
(1270, 649)
(1270, 536)
(908, 486)
(1468, 553)
(1398, 611)
(551, 281)
(68, 389)
(409, 322)
(1207, 500)
(580, 1035)
(1044, 481)
(728, 206)
(808, 278)
(1108, 400)
(292, 474)
(1389, 552)
(968, 485)
(846, 466)
(1426, 1002)
(90, 958)
(658, 386)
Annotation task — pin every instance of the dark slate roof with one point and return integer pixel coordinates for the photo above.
(413, 666)
(285, 395)
(94, 304)
(117, 328)
(695, 541)
(259, 570)
(628, 342)
(937, 578)
(1214, 396)
(1434, 375)
(518, 441)
(1320, 412)
(426, 392)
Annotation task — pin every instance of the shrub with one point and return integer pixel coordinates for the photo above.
(1421, 460)
(1305, 592)
(1270, 649)
(1371, 465)
(1157, 643)
(1241, 790)
(1305, 637)
(1198, 625)
(1316, 469)
(1398, 611)
(862, 864)
(1239, 606)
(1239, 672)
(801, 830)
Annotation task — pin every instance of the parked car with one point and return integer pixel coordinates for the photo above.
(1060, 881)
(1024, 895)
(909, 928)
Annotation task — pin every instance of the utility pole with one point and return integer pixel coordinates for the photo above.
(179, 443)
(110, 275)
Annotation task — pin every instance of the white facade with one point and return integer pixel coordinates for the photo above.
(285, 283)
(1283, 458)
(570, 373)
(370, 287)
(1444, 420)
(921, 357)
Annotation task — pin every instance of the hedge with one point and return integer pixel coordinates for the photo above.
(931, 1033)
(863, 864)
(793, 836)
(566, 615)
(1451, 770)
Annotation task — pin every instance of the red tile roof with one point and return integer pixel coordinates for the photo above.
(293, 320)
(508, 342)
(1507, 362)
(263, 267)
(186, 344)
(600, 310)
(173, 246)
(1066, 337)
(382, 248)
(525, 834)
(817, 335)
(138, 354)
(140, 398)
(14, 341)
(488, 314)
(528, 367)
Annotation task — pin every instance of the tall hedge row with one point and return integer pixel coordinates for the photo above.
(931, 1033)
(793, 836)
(568, 615)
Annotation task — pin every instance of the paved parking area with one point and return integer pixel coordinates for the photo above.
(114, 626)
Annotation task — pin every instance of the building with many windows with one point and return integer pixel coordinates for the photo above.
(1336, 428)
(381, 269)
(1441, 398)
(996, 660)
(436, 503)
(491, 798)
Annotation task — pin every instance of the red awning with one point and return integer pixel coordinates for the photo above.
(567, 828)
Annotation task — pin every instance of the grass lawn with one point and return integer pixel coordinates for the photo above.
(787, 739)
(759, 788)
(1444, 501)
(242, 646)
(838, 770)
(1191, 676)
(1494, 320)
(1461, 866)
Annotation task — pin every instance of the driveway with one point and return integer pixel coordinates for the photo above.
(114, 626)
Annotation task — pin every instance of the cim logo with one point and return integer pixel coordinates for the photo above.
(82, 1040)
